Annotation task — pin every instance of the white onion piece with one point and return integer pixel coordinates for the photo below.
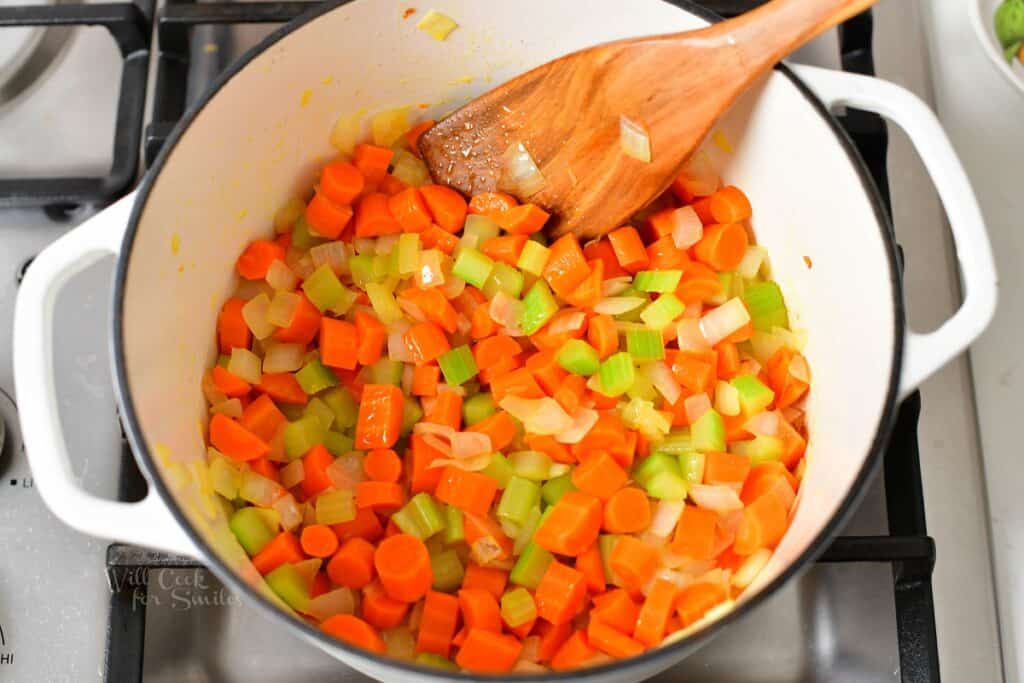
(799, 370)
(430, 272)
(582, 422)
(284, 358)
(303, 267)
(400, 643)
(633, 140)
(231, 407)
(451, 389)
(720, 322)
(539, 415)
(794, 339)
(699, 176)
(557, 469)
(665, 517)
(346, 472)
(281, 277)
(282, 308)
(332, 254)
(385, 244)
(246, 365)
(258, 490)
(567, 321)
(528, 667)
(695, 406)
(412, 310)
(763, 424)
(429, 428)
(520, 174)
(440, 445)
(254, 312)
(693, 311)
(407, 375)
(753, 258)
(687, 228)
(210, 391)
(727, 399)
(506, 311)
(307, 569)
(289, 512)
(665, 382)
(749, 366)
(614, 286)
(619, 305)
(716, 498)
(397, 348)
(689, 336)
(364, 245)
(326, 605)
(293, 473)
(473, 464)
(468, 444)
(751, 567)
(463, 324)
(452, 286)
(531, 649)
(783, 490)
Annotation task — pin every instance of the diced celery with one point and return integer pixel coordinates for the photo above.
(754, 395)
(301, 435)
(292, 411)
(419, 517)
(676, 443)
(766, 306)
(661, 312)
(448, 570)
(389, 126)
(760, 449)
(579, 357)
(454, 528)
(383, 302)
(338, 444)
(538, 307)
(335, 507)
(408, 253)
(476, 230)
(526, 531)
(318, 408)
(291, 586)
(251, 529)
(533, 258)
(617, 374)
(642, 387)
(692, 466)
(436, 661)
(653, 465)
(224, 477)
(478, 407)
(519, 497)
(657, 280)
(605, 545)
(302, 236)
(530, 567)
(458, 365)
(499, 469)
(472, 266)
(314, 377)
(344, 406)
(532, 465)
(323, 288)
(724, 293)
(504, 278)
(361, 266)
(518, 607)
(384, 266)
(386, 371)
(409, 168)
(412, 413)
(554, 489)
(708, 432)
(645, 344)
(666, 486)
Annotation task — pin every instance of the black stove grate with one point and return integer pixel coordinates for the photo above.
(908, 548)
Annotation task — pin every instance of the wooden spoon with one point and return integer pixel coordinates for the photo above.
(566, 113)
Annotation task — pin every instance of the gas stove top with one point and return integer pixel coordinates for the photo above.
(72, 134)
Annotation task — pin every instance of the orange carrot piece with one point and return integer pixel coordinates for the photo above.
(547, 444)
(379, 496)
(380, 416)
(573, 653)
(560, 593)
(325, 218)
(305, 324)
(372, 161)
(352, 565)
(703, 208)
(412, 136)
(423, 477)
(793, 445)
(489, 352)
(491, 204)
(234, 440)
(600, 476)
(232, 332)
(365, 525)
(590, 564)
(447, 410)
(725, 468)
(437, 626)
(339, 343)
(403, 566)
(653, 617)
(728, 360)
(371, 335)
(410, 210)
(228, 384)
(265, 468)
(764, 523)
(571, 392)
(490, 579)
(612, 642)
(426, 341)
(588, 294)
(500, 427)
(524, 219)
(383, 464)
(282, 549)
(552, 638)
(354, 631)
(436, 237)
(730, 205)
(373, 217)
(314, 464)
(380, 610)
(318, 540)
(341, 182)
(425, 379)
(262, 418)
(480, 610)
(602, 250)
(603, 335)
(572, 525)
(696, 599)
(694, 373)
(697, 284)
(517, 383)
(722, 246)
(663, 254)
(633, 561)
(481, 323)
(257, 258)
(616, 609)
(471, 492)
(566, 268)
(629, 249)
(627, 511)
(546, 370)
(479, 527)
(505, 248)
(446, 206)
(762, 479)
(436, 307)
(485, 652)
(695, 533)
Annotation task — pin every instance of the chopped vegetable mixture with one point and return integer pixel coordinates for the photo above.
(1009, 24)
(444, 438)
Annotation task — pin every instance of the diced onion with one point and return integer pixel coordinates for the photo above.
(687, 228)
(412, 310)
(398, 350)
(258, 490)
(364, 245)
(783, 490)
(750, 264)
(284, 358)
(332, 254)
(346, 471)
(539, 416)
(558, 469)
(283, 308)
(520, 174)
(407, 376)
(303, 267)
(794, 339)
(751, 567)
(462, 324)
(763, 424)
(346, 132)
(246, 365)
(210, 391)
(288, 510)
(281, 277)
(799, 370)
(293, 473)
(430, 272)
(468, 444)
(285, 217)
(727, 399)
(307, 569)
(400, 643)
(699, 176)
(386, 244)
(720, 322)
(254, 312)
(666, 516)
(474, 464)
(506, 311)
(485, 550)
(276, 443)
(633, 140)
(231, 407)
(526, 666)
(326, 605)
(665, 382)
(619, 305)
(689, 336)
(582, 422)
(452, 286)
(614, 286)
(717, 498)
(567, 321)
(531, 649)
(695, 406)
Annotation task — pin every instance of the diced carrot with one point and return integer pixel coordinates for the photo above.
(228, 384)
(693, 372)
(728, 360)
(318, 540)
(339, 343)
(633, 561)
(603, 335)
(653, 617)
(232, 332)
(616, 609)
(485, 652)
(423, 477)
(490, 579)
(546, 370)
(629, 249)
(283, 387)
(560, 594)
(447, 410)
(517, 383)
(500, 427)
(762, 479)
(469, 491)
(573, 653)
(425, 379)
(436, 307)
(703, 208)
(589, 292)
(282, 549)
(612, 642)
(412, 136)
(481, 323)
(391, 186)
(477, 527)
(265, 468)
(488, 352)
(566, 268)
(438, 623)
(354, 631)
(410, 210)
(793, 445)
(663, 254)
(426, 341)
(314, 464)
(491, 203)
(725, 468)
(380, 610)
(764, 523)
(627, 511)
(257, 258)
(341, 182)
(403, 565)
(722, 246)
(505, 248)
(365, 525)
(372, 161)
(380, 416)
(480, 610)
(436, 237)
(371, 335)
(326, 218)
(695, 533)
(547, 444)
(602, 250)
(730, 205)
(590, 564)
(551, 639)
(600, 476)
(352, 566)
(379, 496)
(305, 324)
(525, 219)
(262, 418)
(234, 440)
(572, 525)
(373, 217)
(695, 600)
(697, 284)
(570, 393)
(383, 464)
(446, 206)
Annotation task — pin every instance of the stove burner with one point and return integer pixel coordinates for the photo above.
(27, 52)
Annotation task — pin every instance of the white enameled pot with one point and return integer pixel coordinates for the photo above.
(258, 138)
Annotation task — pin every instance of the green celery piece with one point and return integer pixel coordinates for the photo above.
(725, 281)
(472, 266)
(760, 450)
(657, 280)
(666, 486)
(344, 302)
(530, 567)
(579, 358)
(519, 497)
(662, 311)
(642, 387)
(504, 278)
(292, 412)
(290, 586)
(345, 408)
(1013, 51)
(458, 365)
(526, 530)
(478, 407)
(412, 413)
(436, 661)
(302, 236)
(532, 465)
(539, 306)
(323, 288)
(1009, 22)
(301, 435)
(677, 443)
(361, 266)
(708, 432)
(518, 607)
(338, 444)
(408, 253)
(754, 395)
(383, 301)
(533, 258)
(320, 409)
(454, 527)
(553, 489)
(605, 545)
(384, 266)
(653, 465)
(335, 507)
(499, 469)
(766, 305)
(386, 371)
(645, 344)
(420, 517)
(448, 570)
(692, 466)
(477, 229)
(251, 529)
(617, 374)
(314, 377)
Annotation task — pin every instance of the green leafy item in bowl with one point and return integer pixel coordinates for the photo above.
(1009, 22)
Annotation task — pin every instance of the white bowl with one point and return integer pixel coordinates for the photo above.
(983, 19)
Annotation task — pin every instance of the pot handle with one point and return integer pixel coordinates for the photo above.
(148, 522)
(926, 353)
